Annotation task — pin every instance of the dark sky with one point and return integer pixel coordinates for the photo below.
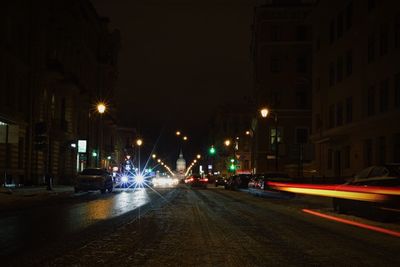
(179, 59)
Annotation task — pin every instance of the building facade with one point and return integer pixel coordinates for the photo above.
(356, 85)
(231, 122)
(281, 51)
(57, 60)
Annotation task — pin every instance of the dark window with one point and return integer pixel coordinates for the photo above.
(330, 159)
(21, 147)
(349, 62)
(396, 148)
(349, 15)
(332, 31)
(331, 74)
(318, 121)
(371, 101)
(339, 114)
(371, 48)
(368, 152)
(384, 96)
(276, 98)
(275, 67)
(371, 5)
(273, 137)
(331, 116)
(301, 33)
(302, 135)
(339, 69)
(347, 157)
(382, 149)
(340, 25)
(397, 90)
(349, 110)
(62, 110)
(383, 40)
(301, 64)
(301, 99)
(397, 31)
(275, 33)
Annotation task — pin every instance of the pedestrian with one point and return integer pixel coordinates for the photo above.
(48, 179)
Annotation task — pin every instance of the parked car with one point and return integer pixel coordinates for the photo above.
(220, 181)
(383, 176)
(196, 180)
(94, 179)
(238, 181)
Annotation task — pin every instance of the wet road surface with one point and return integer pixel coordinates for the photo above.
(39, 226)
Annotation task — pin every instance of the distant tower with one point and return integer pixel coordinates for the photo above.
(181, 164)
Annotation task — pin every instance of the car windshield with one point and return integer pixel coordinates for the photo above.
(92, 172)
(394, 170)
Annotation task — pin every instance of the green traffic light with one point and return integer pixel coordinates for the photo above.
(232, 167)
(212, 150)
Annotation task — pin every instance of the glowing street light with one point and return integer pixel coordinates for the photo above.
(264, 112)
(159, 160)
(139, 142)
(178, 133)
(227, 142)
(185, 138)
(154, 156)
(198, 156)
(101, 107)
(247, 132)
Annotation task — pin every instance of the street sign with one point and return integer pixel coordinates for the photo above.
(82, 146)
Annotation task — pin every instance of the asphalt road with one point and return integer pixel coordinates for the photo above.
(216, 227)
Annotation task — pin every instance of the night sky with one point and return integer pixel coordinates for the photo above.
(179, 60)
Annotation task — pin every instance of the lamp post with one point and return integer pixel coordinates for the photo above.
(228, 143)
(101, 109)
(139, 143)
(264, 113)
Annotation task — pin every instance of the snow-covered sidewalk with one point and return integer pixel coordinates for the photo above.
(11, 198)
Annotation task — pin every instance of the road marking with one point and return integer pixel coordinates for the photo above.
(361, 225)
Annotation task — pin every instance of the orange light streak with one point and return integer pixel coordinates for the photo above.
(353, 223)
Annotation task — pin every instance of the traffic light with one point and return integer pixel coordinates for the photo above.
(212, 150)
(94, 153)
(232, 167)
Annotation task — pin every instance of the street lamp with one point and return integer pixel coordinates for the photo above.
(154, 156)
(198, 156)
(185, 138)
(101, 109)
(227, 142)
(139, 143)
(264, 113)
(178, 133)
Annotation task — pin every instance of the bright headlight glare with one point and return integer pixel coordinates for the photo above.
(124, 179)
(139, 179)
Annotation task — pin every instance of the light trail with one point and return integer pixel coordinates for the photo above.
(362, 193)
(353, 223)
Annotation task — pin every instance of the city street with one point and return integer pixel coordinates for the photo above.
(211, 227)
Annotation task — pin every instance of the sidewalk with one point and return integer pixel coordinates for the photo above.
(25, 197)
